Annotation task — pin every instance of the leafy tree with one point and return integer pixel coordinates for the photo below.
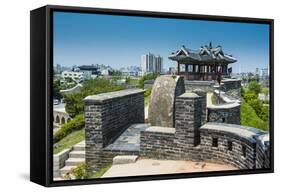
(254, 87)
(248, 96)
(56, 89)
(261, 111)
(244, 80)
(99, 85)
(253, 78)
(265, 91)
(256, 105)
(74, 102)
(150, 76)
(116, 73)
(250, 118)
(264, 115)
(242, 92)
(253, 112)
(128, 80)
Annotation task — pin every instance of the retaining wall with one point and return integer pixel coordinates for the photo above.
(59, 161)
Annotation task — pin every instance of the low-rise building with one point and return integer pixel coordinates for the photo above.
(74, 75)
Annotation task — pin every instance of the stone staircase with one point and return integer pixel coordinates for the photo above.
(76, 157)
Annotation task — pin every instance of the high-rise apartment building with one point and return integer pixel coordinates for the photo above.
(151, 63)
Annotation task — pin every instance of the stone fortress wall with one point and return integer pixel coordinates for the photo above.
(195, 135)
(227, 109)
(232, 87)
(212, 142)
(108, 115)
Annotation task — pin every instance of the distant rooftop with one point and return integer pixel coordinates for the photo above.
(88, 67)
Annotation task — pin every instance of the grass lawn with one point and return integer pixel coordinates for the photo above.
(100, 173)
(134, 81)
(70, 140)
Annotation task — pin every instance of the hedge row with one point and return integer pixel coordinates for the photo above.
(77, 123)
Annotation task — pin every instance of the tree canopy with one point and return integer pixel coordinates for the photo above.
(74, 102)
(254, 87)
(149, 76)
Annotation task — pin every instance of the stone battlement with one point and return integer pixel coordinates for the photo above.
(185, 129)
(232, 144)
(99, 98)
(107, 116)
(227, 110)
(244, 132)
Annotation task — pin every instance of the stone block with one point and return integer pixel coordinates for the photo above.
(124, 159)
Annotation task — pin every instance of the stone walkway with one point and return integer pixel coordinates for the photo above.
(129, 140)
(155, 167)
(209, 99)
(146, 112)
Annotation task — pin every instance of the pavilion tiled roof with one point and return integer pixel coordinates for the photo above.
(204, 55)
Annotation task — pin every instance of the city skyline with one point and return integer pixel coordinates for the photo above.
(151, 63)
(84, 39)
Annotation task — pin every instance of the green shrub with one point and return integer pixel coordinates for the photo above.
(248, 96)
(77, 123)
(147, 92)
(80, 172)
(74, 102)
(242, 92)
(264, 114)
(150, 76)
(250, 118)
(254, 87)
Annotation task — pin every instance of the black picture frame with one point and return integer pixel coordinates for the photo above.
(41, 57)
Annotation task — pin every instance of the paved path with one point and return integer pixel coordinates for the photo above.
(153, 167)
(209, 99)
(129, 140)
(146, 112)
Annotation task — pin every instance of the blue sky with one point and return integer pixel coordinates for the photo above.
(119, 41)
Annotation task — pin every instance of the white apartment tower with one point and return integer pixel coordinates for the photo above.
(151, 63)
(158, 64)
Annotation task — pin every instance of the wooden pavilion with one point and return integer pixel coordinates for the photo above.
(203, 64)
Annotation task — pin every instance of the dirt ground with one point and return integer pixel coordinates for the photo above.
(154, 167)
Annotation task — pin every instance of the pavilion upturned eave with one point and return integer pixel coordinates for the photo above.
(187, 60)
